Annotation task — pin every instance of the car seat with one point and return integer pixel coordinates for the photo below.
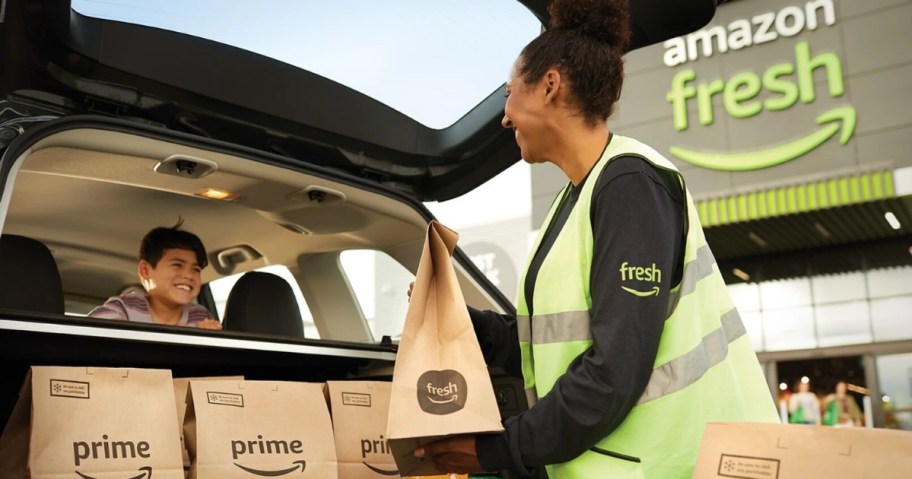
(29, 278)
(263, 303)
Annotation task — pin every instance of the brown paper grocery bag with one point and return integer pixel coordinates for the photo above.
(791, 451)
(93, 423)
(245, 429)
(441, 385)
(359, 411)
(180, 400)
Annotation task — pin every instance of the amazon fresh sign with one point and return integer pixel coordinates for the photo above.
(787, 83)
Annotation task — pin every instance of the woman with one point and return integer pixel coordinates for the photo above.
(625, 335)
(804, 406)
(841, 408)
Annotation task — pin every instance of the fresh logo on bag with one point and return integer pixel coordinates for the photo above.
(241, 449)
(111, 450)
(442, 392)
(376, 446)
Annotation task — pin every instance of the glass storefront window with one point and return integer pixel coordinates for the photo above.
(838, 288)
(890, 317)
(839, 324)
(788, 293)
(832, 310)
(753, 323)
(894, 372)
(746, 296)
(890, 282)
(787, 329)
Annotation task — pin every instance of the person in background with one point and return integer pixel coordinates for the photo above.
(625, 334)
(840, 409)
(170, 262)
(804, 406)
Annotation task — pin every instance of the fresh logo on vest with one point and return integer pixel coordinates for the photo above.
(441, 392)
(241, 449)
(649, 274)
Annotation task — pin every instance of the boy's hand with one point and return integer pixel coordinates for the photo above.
(209, 324)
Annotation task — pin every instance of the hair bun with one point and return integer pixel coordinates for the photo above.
(606, 20)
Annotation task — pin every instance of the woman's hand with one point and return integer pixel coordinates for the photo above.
(209, 324)
(411, 287)
(453, 454)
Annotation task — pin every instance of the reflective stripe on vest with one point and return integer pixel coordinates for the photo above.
(667, 378)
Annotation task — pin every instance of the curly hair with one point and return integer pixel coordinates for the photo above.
(585, 42)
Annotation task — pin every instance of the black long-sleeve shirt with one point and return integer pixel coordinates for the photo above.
(638, 216)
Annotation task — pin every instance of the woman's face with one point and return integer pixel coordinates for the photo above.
(524, 113)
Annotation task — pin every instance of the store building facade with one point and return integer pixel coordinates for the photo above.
(791, 121)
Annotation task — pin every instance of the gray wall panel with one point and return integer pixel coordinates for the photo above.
(891, 147)
(873, 41)
(851, 8)
(884, 99)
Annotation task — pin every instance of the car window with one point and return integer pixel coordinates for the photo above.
(221, 287)
(381, 285)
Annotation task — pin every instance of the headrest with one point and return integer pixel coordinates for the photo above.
(263, 303)
(29, 278)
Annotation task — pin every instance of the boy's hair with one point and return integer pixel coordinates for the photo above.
(155, 243)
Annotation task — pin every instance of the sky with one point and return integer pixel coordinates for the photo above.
(430, 59)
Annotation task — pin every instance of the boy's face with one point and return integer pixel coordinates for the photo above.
(175, 280)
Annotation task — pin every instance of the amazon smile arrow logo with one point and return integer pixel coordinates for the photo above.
(840, 118)
(277, 473)
(382, 472)
(145, 473)
(653, 292)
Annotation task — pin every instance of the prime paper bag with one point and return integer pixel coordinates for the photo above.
(359, 412)
(782, 451)
(441, 385)
(248, 429)
(93, 423)
(180, 400)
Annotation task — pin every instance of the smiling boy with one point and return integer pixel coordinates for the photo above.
(170, 262)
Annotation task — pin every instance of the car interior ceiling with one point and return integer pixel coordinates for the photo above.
(90, 195)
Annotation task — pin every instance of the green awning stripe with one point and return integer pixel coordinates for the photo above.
(795, 198)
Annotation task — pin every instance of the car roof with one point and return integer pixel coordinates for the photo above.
(205, 87)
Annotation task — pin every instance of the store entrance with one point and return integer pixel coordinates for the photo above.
(820, 378)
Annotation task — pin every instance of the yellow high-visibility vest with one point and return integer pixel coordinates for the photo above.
(705, 369)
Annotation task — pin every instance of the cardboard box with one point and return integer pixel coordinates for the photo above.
(785, 451)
